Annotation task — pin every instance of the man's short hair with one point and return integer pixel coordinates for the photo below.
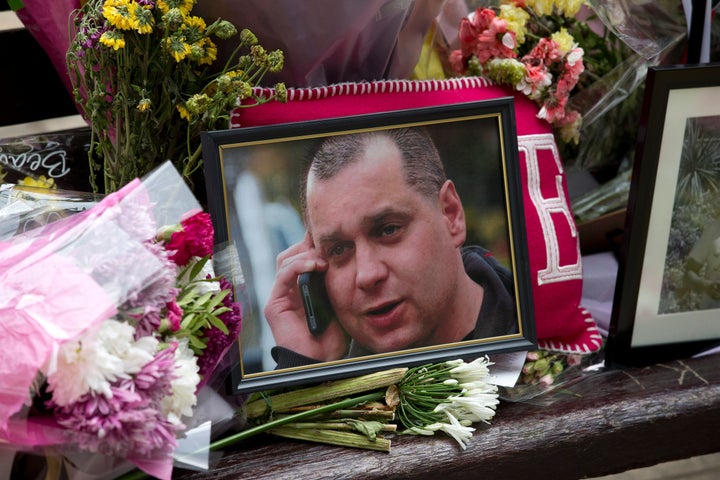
(422, 166)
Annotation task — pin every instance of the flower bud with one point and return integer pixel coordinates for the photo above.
(276, 60)
(198, 104)
(247, 37)
(281, 92)
(225, 29)
(173, 18)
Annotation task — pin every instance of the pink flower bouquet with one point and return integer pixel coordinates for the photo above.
(113, 320)
(516, 45)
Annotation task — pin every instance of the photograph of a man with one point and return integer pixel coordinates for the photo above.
(386, 229)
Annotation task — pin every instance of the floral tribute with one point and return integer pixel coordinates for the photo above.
(529, 45)
(142, 71)
(112, 324)
(359, 412)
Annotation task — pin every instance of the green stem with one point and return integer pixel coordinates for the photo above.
(327, 391)
(245, 434)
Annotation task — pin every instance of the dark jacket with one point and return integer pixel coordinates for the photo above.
(497, 315)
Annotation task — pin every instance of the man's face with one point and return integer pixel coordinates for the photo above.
(392, 253)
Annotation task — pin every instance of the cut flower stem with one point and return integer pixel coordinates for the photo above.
(274, 424)
(333, 437)
(283, 402)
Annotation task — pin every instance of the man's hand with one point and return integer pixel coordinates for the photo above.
(284, 310)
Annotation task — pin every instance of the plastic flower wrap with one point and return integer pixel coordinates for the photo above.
(113, 320)
(584, 63)
(143, 76)
(526, 45)
(545, 375)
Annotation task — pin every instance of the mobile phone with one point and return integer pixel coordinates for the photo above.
(316, 303)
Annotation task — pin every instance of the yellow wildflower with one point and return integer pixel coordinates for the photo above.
(565, 41)
(516, 19)
(194, 22)
(117, 13)
(40, 182)
(144, 104)
(183, 5)
(541, 7)
(142, 18)
(569, 8)
(208, 52)
(113, 39)
(177, 47)
(184, 112)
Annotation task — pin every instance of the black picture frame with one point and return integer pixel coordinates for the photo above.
(659, 314)
(482, 134)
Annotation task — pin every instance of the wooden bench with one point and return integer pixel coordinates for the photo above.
(607, 423)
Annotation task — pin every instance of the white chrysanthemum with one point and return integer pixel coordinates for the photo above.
(182, 400)
(97, 358)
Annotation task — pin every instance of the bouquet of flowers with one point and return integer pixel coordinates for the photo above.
(142, 70)
(113, 319)
(551, 51)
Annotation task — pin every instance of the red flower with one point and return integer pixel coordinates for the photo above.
(194, 240)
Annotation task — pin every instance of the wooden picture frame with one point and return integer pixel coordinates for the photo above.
(659, 311)
(254, 177)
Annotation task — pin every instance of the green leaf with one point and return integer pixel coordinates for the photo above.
(217, 323)
(197, 268)
(15, 5)
(196, 343)
(219, 311)
(203, 300)
(219, 297)
(368, 428)
(187, 320)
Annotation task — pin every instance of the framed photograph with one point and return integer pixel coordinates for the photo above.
(667, 298)
(374, 241)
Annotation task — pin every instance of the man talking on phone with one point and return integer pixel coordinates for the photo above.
(385, 228)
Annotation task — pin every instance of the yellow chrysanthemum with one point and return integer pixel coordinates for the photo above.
(569, 8)
(185, 6)
(193, 29)
(209, 52)
(144, 104)
(184, 112)
(192, 21)
(142, 18)
(113, 39)
(516, 19)
(565, 41)
(117, 13)
(177, 47)
(40, 182)
(541, 7)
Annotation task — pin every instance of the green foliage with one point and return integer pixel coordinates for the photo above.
(142, 76)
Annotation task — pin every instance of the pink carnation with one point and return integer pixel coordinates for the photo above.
(174, 315)
(494, 42)
(194, 240)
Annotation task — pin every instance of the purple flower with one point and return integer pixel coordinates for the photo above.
(130, 421)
